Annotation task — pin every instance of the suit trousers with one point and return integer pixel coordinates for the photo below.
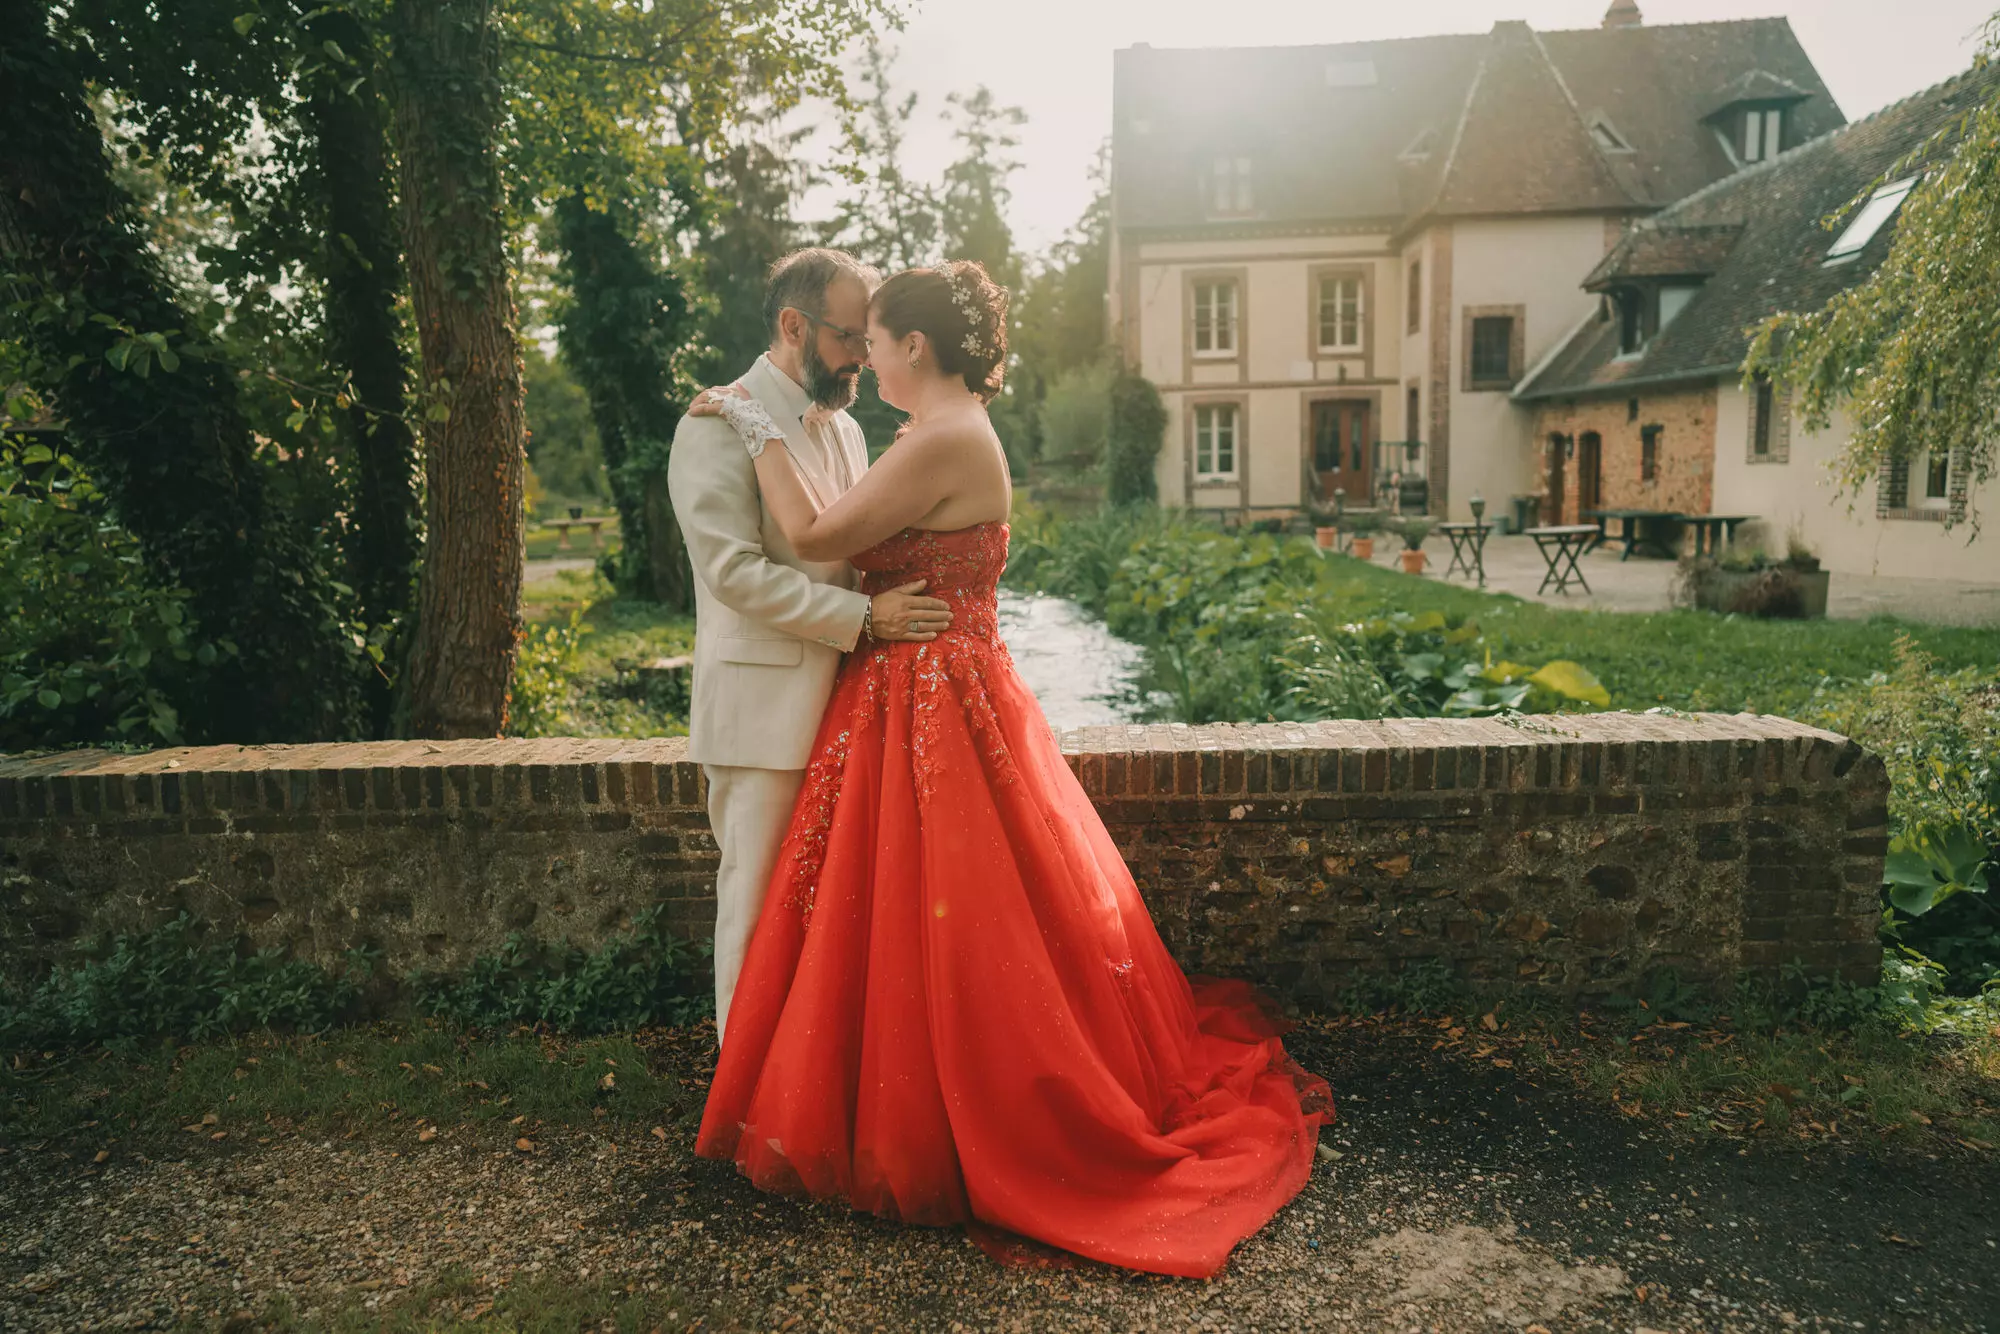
(748, 811)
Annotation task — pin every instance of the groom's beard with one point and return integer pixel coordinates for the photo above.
(831, 389)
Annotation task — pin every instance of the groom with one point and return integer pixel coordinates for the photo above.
(770, 628)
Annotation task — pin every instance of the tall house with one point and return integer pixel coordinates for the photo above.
(1336, 261)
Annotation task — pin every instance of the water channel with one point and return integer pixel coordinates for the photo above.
(1078, 670)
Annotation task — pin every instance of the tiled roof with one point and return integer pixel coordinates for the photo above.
(1507, 116)
(1665, 251)
(1761, 238)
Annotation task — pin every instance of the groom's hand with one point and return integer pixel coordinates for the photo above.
(901, 615)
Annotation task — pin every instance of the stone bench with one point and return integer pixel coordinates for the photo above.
(1572, 854)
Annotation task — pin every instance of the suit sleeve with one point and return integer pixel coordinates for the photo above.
(713, 484)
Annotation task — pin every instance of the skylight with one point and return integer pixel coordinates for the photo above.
(1607, 136)
(1881, 206)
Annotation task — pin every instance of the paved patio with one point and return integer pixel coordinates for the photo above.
(1513, 565)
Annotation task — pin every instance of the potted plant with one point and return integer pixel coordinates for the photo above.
(1325, 525)
(1745, 581)
(576, 511)
(1413, 531)
(1363, 524)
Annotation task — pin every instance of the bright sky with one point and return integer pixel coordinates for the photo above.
(1052, 58)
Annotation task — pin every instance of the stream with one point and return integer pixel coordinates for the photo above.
(1078, 670)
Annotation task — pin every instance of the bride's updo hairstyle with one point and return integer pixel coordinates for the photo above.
(963, 313)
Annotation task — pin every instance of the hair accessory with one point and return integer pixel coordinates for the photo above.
(967, 301)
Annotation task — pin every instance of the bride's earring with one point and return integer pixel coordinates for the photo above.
(915, 357)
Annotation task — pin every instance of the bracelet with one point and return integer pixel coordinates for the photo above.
(868, 620)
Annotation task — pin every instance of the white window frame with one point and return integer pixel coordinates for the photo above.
(1763, 132)
(1218, 427)
(1869, 219)
(1216, 308)
(1350, 285)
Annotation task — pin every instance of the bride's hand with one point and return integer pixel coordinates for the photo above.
(708, 403)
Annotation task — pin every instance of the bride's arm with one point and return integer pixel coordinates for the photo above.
(905, 485)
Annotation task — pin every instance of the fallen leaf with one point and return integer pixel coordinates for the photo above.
(1489, 1023)
(211, 1119)
(518, 1120)
(796, 1289)
(660, 1134)
(426, 1135)
(103, 1156)
(608, 1081)
(220, 1134)
(524, 1144)
(1502, 1064)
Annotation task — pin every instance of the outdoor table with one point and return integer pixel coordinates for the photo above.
(1713, 532)
(1468, 548)
(1637, 528)
(562, 527)
(1560, 546)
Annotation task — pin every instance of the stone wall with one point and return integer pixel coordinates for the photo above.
(1572, 854)
(1684, 475)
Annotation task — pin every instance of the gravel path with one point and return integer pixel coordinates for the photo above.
(1449, 1198)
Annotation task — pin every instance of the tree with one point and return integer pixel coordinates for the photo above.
(1912, 353)
(973, 211)
(151, 409)
(1059, 320)
(746, 228)
(448, 99)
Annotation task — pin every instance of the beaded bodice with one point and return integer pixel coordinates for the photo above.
(960, 568)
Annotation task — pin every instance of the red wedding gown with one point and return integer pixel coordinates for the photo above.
(955, 1008)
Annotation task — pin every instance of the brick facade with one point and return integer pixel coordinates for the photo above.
(1684, 465)
(1574, 855)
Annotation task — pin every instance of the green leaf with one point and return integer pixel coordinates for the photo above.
(1572, 681)
(37, 454)
(50, 699)
(119, 354)
(243, 23)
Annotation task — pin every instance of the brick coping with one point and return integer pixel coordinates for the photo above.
(1390, 734)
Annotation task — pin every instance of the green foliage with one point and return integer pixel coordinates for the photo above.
(1059, 316)
(93, 649)
(544, 668)
(639, 977)
(1240, 628)
(1939, 734)
(1909, 351)
(177, 982)
(1138, 427)
(1076, 420)
(563, 441)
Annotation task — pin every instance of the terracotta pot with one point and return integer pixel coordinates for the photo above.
(1364, 548)
(1413, 562)
(1326, 537)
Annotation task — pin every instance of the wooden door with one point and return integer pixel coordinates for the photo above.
(1343, 450)
(1552, 497)
(1589, 474)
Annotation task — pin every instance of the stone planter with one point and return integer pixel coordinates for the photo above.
(1778, 591)
(1413, 562)
(1364, 548)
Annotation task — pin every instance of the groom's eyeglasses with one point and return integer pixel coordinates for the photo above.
(849, 339)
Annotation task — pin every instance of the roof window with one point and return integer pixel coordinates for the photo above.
(1606, 135)
(1861, 229)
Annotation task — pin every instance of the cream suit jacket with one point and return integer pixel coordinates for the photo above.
(770, 627)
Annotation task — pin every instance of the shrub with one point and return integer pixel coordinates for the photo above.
(1076, 420)
(92, 650)
(1138, 427)
(175, 982)
(540, 703)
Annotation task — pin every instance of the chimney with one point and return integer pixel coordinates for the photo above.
(1623, 14)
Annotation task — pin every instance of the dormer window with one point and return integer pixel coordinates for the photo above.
(1868, 220)
(1229, 186)
(1763, 132)
(1645, 309)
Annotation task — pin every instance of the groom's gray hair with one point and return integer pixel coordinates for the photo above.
(799, 280)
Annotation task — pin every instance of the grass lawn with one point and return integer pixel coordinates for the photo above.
(1682, 659)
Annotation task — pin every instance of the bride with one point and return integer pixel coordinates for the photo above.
(955, 1009)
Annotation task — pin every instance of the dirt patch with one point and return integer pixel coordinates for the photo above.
(1459, 1200)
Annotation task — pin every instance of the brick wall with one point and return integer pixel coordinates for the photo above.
(1684, 477)
(1572, 854)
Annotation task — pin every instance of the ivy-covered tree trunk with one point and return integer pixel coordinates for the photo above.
(152, 415)
(626, 318)
(361, 265)
(447, 115)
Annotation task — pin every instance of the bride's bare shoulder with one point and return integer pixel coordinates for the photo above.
(948, 431)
